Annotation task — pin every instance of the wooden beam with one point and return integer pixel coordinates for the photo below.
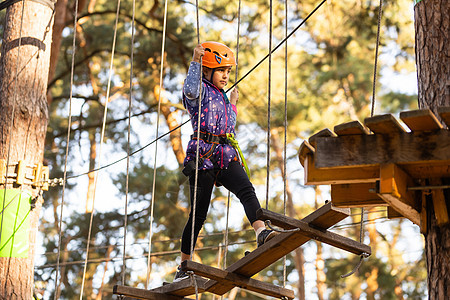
(326, 216)
(351, 128)
(323, 133)
(323, 236)
(444, 113)
(393, 214)
(136, 293)
(237, 280)
(323, 218)
(440, 207)
(355, 195)
(305, 149)
(420, 120)
(394, 184)
(184, 287)
(315, 176)
(384, 124)
(276, 248)
(364, 150)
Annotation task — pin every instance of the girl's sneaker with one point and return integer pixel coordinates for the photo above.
(265, 235)
(180, 275)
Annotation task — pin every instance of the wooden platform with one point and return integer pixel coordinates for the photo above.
(378, 163)
(239, 274)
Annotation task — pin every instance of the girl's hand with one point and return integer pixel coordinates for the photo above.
(199, 51)
(234, 96)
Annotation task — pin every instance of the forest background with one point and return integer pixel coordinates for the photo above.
(330, 75)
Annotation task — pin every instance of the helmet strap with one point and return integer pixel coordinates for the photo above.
(212, 74)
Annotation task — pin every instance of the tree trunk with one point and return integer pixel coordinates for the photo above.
(175, 136)
(58, 27)
(91, 176)
(26, 96)
(432, 23)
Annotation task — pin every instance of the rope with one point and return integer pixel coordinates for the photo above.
(361, 227)
(156, 145)
(56, 181)
(356, 268)
(8, 156)
(101, 144)
(225, 252)
(285, 129)
(380, 12)
(279, 44)
(125, 223)
(69, 126)
(197, 151)
(194, 282)
(269, 224)
(268, 105)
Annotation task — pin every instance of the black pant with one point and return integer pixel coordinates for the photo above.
(235, 179)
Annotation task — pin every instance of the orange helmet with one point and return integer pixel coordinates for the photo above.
(217, 55)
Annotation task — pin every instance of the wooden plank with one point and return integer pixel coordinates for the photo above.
(394, 184)
(425, 170)
(420, 120)
(356, 195)
(135, 293)
(184, 287)
(323, 133)
(314, 176)
(393, 214)
(363, 150)
(274, 249)
(406, 210)
(321, 235)
(326, 216)
(237, 280)
(440, 207)
(384, 124)
(444, 113)
(351, 128)
(305, 149)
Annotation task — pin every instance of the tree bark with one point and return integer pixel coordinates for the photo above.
(25, 136)
(58, 27)
(432, 22)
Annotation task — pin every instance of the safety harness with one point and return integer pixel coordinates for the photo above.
(215, 140)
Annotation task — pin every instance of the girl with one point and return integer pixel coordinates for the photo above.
(218, 161)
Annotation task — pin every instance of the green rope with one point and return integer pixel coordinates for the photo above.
(234, 143)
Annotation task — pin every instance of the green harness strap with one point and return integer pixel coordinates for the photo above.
(234, 143)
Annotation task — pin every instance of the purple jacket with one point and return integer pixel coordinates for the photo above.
(217, 117)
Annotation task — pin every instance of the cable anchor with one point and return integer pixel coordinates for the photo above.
(363, 255)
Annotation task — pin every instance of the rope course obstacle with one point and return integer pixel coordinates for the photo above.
(297, 232)
(375, 164)
(381, 164)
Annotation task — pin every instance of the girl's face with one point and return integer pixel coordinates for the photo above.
(220, 77)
